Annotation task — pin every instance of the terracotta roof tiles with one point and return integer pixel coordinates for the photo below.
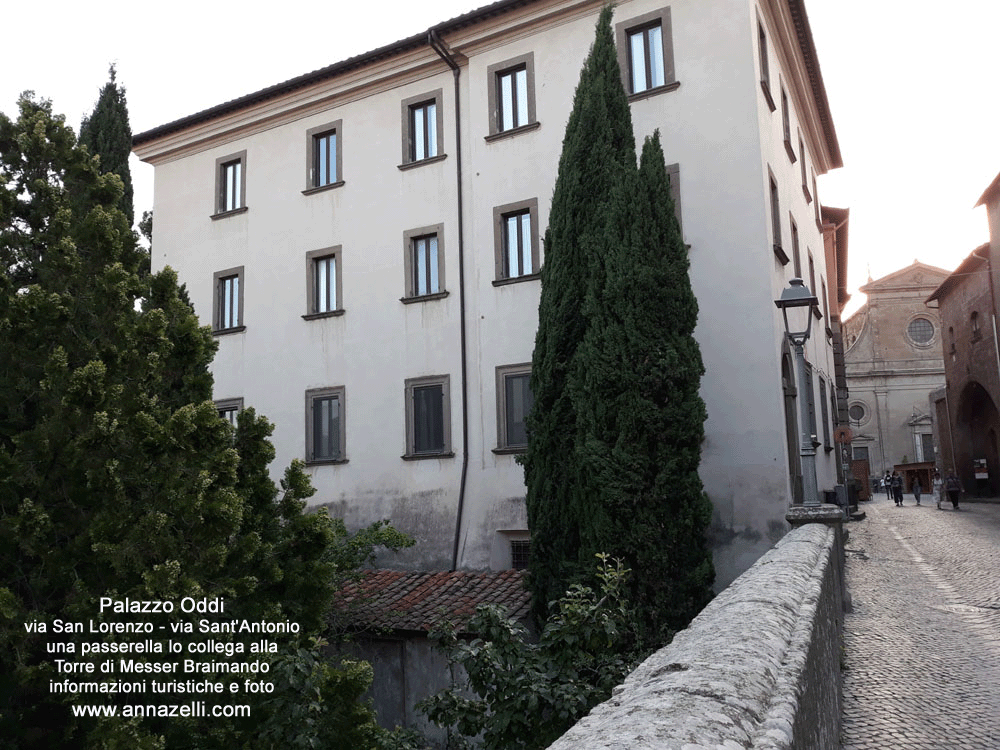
(406, 601)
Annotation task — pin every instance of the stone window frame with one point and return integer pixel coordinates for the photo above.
(500, 213)
(802, 166)
(409, 386)
(409, 236)
(796, 250)
(218, 279)
(866, 413)
(932, 341)
(765, 66)
(226, 406)
(786, 124)
(633, 25)
(311, 396)
(493, 75)
(312, 308)
(502, 373)
(221, 185)
(775, 199)
(407, 107)
(312, 136)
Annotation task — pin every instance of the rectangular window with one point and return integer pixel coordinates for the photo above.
(326, 283)
(802, 167)
(425, 265)
(645, 53)
(819, 218)
(424, 262)
(323, 282)
(325, 165)
(514, 401)
(824, 301)
(228, 297)
(229, 409)
(520, 554)
(511, 95)
(513, 98)
(765, 70)
(428, 417)
(516, 240)
(786, 124)
(324, 147)
(927, 447)
(674, 176)
(825, 413)
(812, 273)
(325, 427)
(230, 183)
(860, 453)
(422, 128)
(779, 251)
(796, 259)
(645, 48)
(811, 401)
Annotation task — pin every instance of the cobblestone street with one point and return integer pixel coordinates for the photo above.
(922, 646)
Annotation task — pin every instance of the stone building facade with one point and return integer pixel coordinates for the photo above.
(365, 241)
(967, 414)
(893, 362)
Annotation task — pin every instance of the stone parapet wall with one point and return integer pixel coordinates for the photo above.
(758, 668)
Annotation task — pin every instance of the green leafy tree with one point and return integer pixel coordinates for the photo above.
(523, 694)
(597, 161)
(107, 134)
(118, 477)
(616, 429)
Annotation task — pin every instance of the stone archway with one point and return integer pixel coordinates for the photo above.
(791, 424)
(977, 423)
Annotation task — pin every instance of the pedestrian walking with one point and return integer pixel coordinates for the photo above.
(937, 485)
(897, 488)
(887, 483)
(916, 489)
(953, 487)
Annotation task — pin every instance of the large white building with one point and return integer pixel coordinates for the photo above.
(365, 242)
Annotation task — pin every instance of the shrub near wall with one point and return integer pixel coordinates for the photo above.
(758, 668)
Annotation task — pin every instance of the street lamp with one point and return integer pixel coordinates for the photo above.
(797, 304)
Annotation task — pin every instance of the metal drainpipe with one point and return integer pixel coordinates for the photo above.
(434, 40)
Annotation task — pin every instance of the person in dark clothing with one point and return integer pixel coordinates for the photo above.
(897, 488)
(916, 490)
(953, 487)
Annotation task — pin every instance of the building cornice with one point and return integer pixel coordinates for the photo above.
(408, 59)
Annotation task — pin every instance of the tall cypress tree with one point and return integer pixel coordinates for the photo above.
(644, 417)
(616, 428)
(107, 134)
(598, 160)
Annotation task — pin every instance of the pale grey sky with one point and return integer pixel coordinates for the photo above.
(910, 89)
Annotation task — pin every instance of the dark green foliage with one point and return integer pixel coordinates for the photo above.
(107, 134)
(117, 476)
(616, 428)
(644, 417)
(523, 695)
(597, 161)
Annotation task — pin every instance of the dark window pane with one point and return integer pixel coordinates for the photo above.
(428, 419)
(518, 400)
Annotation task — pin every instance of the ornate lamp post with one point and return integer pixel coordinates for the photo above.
(797, 304)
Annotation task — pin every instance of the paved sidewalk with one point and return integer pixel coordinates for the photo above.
(922, 646)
